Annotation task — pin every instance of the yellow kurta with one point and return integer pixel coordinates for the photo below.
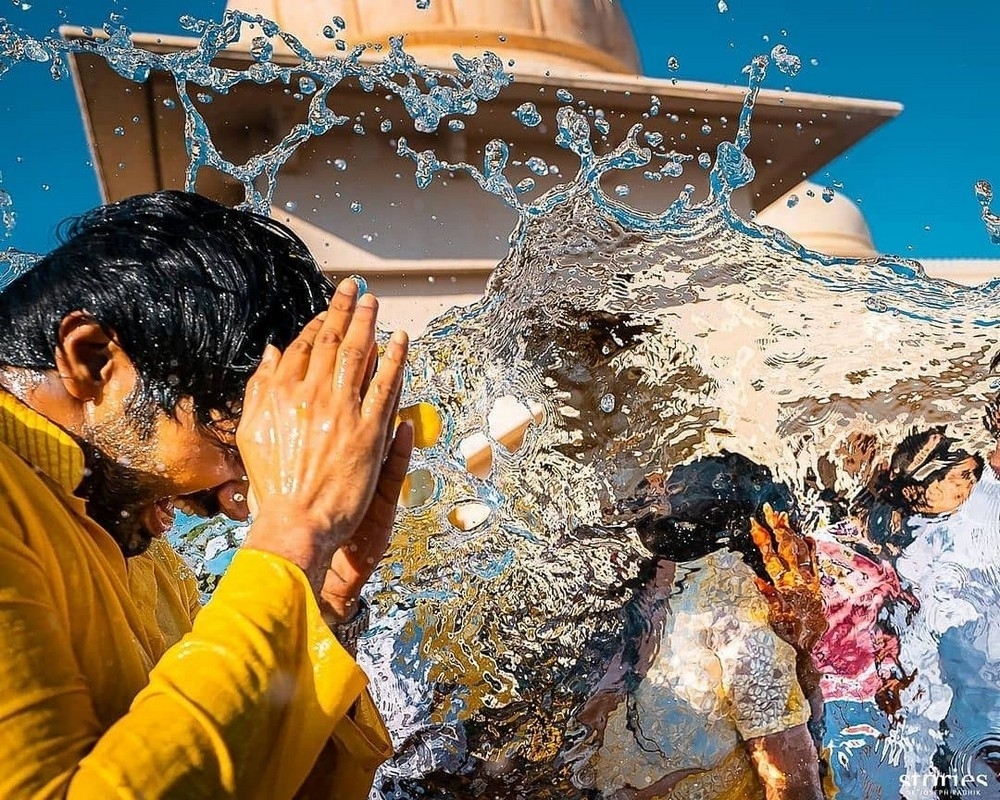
(110, 686)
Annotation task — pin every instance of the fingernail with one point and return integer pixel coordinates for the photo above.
(368, 301)
(347, 287)
(399, 337)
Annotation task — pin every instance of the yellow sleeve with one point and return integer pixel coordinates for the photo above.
(240, 707)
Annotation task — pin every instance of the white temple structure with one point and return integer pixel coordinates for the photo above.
(425, 250)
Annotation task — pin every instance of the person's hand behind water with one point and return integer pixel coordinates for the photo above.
(318, 440)
(794, 598)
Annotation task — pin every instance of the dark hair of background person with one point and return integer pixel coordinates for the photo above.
(707, 504)
(191, 290)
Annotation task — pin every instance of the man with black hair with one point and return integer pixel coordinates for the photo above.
(175, 353)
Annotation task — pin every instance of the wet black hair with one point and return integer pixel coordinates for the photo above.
(921, 458)
(192, 290)
(708, 504)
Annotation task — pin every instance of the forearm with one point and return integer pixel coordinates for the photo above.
(787, 765)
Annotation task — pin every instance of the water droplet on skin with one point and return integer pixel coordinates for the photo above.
(608, 403)
(329, 32)
(423, 5)
(168, 103)
(793, 200)
(622, 190)
(204, 97)
(654, 138)
(564, 96)
(119, 131)
(706, 129)
(525, 185)
(307, 85)
(456, 125)
(340, 164)
(341, 45)
(828, 194)
(291, 205)
(704, 161)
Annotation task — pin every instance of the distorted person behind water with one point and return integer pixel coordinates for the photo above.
(169, 353)
(909, 674)
(705, 697)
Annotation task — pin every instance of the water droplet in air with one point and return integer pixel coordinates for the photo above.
(564, 96)
(307, 85)
(204, 97)
(168, 103)
(723, 6)
(340, 164)
(291, 205)
(537, 165)
(984, 192)
(785, 61)
(706, 129)
(525, 185)
(456, 125)
(423, 5)
(386, 126)
(356, 207)
(608, 403)
(119, 131)
(704, 161)
(654, 138)
(673, 64)
(528, 115)
(828, 194)
(622, 190)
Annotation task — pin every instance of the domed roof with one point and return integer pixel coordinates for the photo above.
(827, 224)
(564, 36)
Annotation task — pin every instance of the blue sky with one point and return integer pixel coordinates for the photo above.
(914, 177)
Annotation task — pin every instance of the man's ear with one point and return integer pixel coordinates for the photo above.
(84, 355)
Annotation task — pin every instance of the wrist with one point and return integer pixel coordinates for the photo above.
(348, 630)
(296, 538)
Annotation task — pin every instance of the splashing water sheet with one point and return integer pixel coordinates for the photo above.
(528, 638)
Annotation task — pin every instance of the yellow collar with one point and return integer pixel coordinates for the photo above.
(40, 442)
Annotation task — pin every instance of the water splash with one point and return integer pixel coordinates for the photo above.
(427, 101)
(644, 341)
(984, 194)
